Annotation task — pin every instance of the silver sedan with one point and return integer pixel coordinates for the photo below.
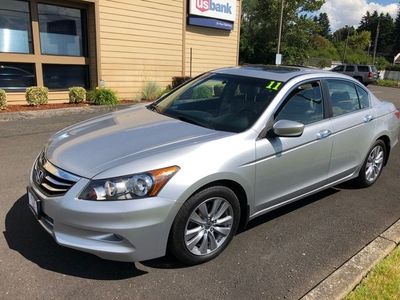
(186, 171)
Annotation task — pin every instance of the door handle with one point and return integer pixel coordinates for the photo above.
(368, 118)
(324, 134)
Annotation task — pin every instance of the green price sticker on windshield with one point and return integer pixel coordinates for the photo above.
(273, 85)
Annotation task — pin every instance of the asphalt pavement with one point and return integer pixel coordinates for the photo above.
(281, 255)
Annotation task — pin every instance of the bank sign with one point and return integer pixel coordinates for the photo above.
(217, 9)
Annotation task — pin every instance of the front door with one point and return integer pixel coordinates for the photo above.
(289, 166)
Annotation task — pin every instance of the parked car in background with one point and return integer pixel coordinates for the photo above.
(365, 74)
(184, 172)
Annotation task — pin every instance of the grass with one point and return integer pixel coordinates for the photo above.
(389, 83)
(383, 282)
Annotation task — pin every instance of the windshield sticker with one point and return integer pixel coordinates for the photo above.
(273, 85)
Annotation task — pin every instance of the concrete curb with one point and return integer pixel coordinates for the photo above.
(48, 113)
(342, 281)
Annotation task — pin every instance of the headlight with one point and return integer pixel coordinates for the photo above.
(147, 184)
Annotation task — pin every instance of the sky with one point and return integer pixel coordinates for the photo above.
(350, 12)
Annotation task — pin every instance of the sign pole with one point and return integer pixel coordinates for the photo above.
(278, 59)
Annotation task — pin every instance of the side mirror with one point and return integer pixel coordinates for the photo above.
(286, 128)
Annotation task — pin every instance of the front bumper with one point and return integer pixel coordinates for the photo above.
(130, 230)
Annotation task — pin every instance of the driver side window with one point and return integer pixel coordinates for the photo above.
(304, 104)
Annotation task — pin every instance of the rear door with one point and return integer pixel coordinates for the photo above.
(353, 121)
(350, 70)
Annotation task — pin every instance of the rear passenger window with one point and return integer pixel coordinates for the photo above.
(349, 68)
(304, 104)
(344, 97)
(363, 96)
(363, 69)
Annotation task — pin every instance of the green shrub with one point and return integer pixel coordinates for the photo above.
(388, 83)
(36, 95)
(178, 80)
(151, 91)
(393, 68)
(77, 95)
(167, 89)
(103, 96)
(3, 99)
(202, 91)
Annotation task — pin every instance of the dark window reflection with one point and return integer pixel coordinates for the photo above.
(17, 76)
(15, 27)
(65, 76)
(62, 30)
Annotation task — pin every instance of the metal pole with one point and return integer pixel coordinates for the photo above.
(280, 28)
(278, 56)
(191, 60)
(376, 42)
(345, 46)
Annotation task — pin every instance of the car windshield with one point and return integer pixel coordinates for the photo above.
(220, 101)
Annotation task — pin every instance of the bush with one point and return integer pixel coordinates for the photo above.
(202, 91)
(393, 68)
(3, 99)
(77, 95)
(36, 95)
(151, 91)
(388, 83)
(167, 89)
(178, 80)
(102, 96)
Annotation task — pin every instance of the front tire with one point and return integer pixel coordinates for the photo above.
(205, 225)
(373, 165)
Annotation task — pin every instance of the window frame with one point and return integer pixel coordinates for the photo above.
(38, 59)
(285, 100)
(84, 24)
(31, 43)
(368, 94)
(329, 100)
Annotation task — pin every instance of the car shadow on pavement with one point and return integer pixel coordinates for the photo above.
(170, 262)
(24, 235)
(288, 208)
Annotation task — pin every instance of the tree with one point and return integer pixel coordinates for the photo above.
(369, 22)
(396, 33)
(259, 30)
(324, 26)
(341, 34)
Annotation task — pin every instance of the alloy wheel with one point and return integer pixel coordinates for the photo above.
(374, 163)
(208, 226)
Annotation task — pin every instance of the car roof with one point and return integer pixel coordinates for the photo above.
(279, 73)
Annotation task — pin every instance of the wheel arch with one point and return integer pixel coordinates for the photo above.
(239, 192)
(386, 140)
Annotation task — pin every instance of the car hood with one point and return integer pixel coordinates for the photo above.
(96, 145)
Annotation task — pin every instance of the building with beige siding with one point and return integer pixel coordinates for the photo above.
(120, 44)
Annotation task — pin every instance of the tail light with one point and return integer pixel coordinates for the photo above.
(370, 74)
(397, 113)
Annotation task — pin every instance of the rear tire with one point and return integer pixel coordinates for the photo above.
(373, 165)
(205, 225)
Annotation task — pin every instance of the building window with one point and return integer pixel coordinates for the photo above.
(16, 76)
(15, 27)
(62, 30)
(61, 77)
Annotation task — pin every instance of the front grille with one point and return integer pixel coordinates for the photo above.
(51, 180)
